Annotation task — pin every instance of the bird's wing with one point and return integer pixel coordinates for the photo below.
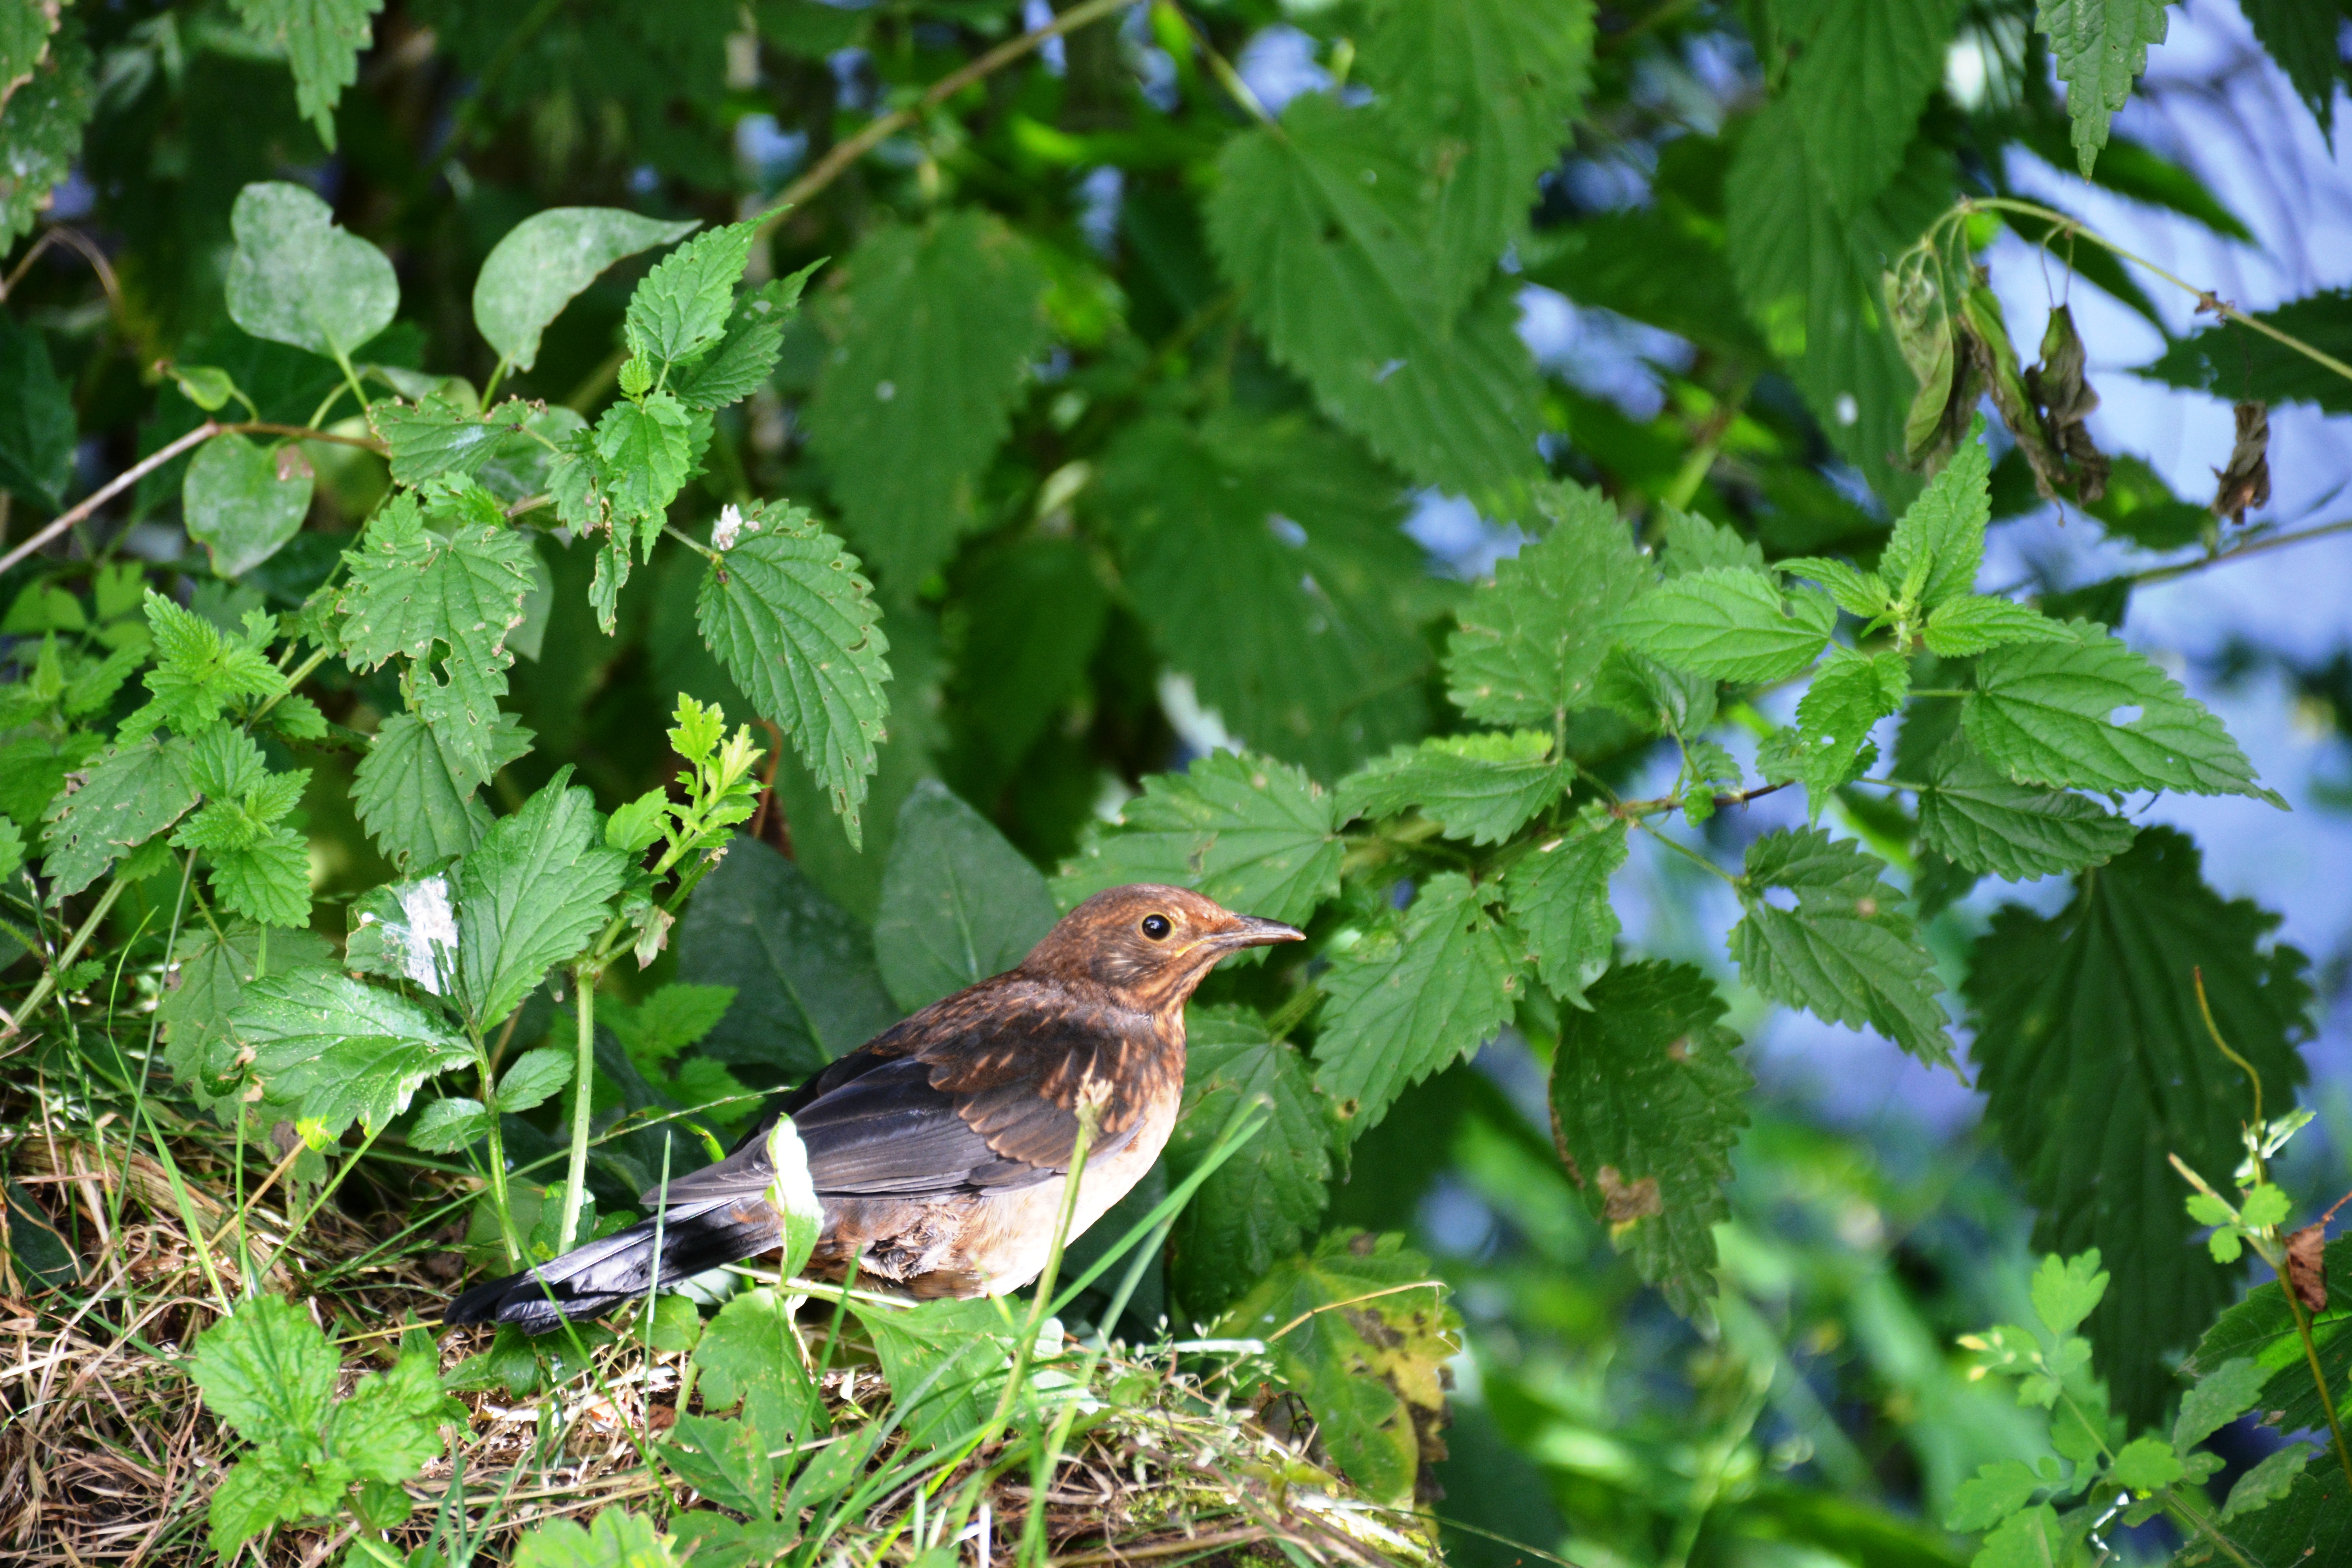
(976, 1092)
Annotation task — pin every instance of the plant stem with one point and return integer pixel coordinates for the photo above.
(576, 1173)
(2318, 1374)
(109, 490)
(48, 981)
(1043, 1290)
(2249, 547)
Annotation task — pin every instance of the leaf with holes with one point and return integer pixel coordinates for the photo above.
(336, 1050)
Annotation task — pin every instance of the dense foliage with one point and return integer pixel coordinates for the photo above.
(573, 563)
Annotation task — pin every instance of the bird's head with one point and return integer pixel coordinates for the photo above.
(1147, 944)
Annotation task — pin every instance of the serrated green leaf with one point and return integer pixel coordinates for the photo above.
(2144, 1465)
(297, 277)
(448, 1126)
(435, 437)
(531, 896)
(945, 1362)
(132, 792)
(1558, 895)
(1362, 315)
(616, 1538)
(1252, 834)
(1846, 952)
(1263, 1202)
(2220, 1396)
(681, 307)
(1532, 641)
(1849, 695)
(1858, 86)
(936, 330)
(789, 615)
(1647, 1103)
(958, 902)
(1694, 543)
(322, 40)
(544, 262)
(1485, 91)
(746, 357)
(266, 1371)
(1413, 995)
(1939, 542)
(1480, 787)
(213, 970)
(1649, 694)
(1728, 624)
(2092, 1013)
(199, 670)
(417, 801)
(268, 880)
(2100, 46)
(2263, 1329)
(2273, 1477)
(2031, 1539)
(41, 125)
(2044, 712)
(1856, 593)
(1974, 622)
(37, 417)
(1371, 1373)
(390, 1428)
(2067, 1290)
(645, 451)
(666, 1021)
(333, 1049)
(1971, 814)
(1992, 1494)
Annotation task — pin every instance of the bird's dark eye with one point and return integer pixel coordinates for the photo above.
(1156, 927)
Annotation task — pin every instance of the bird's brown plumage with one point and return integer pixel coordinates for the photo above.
(940, 1148)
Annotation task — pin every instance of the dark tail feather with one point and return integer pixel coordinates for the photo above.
(593, 1280)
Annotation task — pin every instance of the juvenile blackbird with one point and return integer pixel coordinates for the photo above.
(940, 1148)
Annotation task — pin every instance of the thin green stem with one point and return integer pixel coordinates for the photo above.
(1939, 692)
(1044, 1291)
(2239, 551)
(48, 981)
(295, 1227)
(576, 1173)
(2318, 1374)
(1685, 851)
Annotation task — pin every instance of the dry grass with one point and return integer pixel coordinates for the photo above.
(108, 1457)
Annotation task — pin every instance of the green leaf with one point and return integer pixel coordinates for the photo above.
(37, 418)
(41, 126)
(266, 1371)
(1266, 1199)
(958, 902)
(1975, 622)
(793, 1194)
(534, 1077)
(681, 307)
(788, 614)
(936, 330)
(242, 502)
(268, 880)
(2262, 1329)
(199, 671)
(542, 264)
(1848, 697)
(807, 990)
(2235, 361)
(2100, 47)
(1859, 84)
(1531, 642)
(132, 792)
(1371, 1374)
(337, 1050)
(436, 438)
(1558, 895)
(2090, 1017)
(2032, 1539)
(1972, 815)
(1695, 543)
(646, 451)
(746, 357)
(945, 1362)
(2220, 1396)
(1728, 624)
(213, 970)
(1939, 542)
(297, 278)
(666, 1021)
(460, 586)
(1035, 610)
(1322, 228)
(25, 29)
(531, 896)
(1846, 953)
(1415, 995)
(2067, 1290)
(1480, 787)
(2273, 1477)
(417, 801)
(1485, 89)
(1662, 264)
(616, 1538)
(322, 40)
(448, 1126)
(2311, 1524)
(1992, 1494)
(390, 1428)
(748, 1353)
(2044, 712)
(1254, 834)
(1647, 1102)
(2301, 37)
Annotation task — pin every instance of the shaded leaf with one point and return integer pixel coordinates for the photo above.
(958, 902)
(1480, 787)
(242, 502)
(1558, 895)
(542, 263)
(297, 277)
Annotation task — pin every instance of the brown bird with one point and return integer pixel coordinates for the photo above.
(940, 1148)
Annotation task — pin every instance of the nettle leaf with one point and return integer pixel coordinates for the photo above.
(2260, 1329)
(1263, 1202)
(200, 670)
(266, 1371)
(2090, 1018)
(1728, 624)
(1363, 314)
(531, 896)
(1372, 1374)
(242, 502)
(2045, 712)
(322, 40)
(417, 801)
(1478, 786)
(958, 902)
(1849, 695)
(132, 792)
(297, 278)
(1859, 84)
(1844, 951)
(945, 1361)
(534, 1079)
(213, 970)
(336, 1050)
(1532, 641)
(1647, 1102)
(1972, 815)
(788, 614)
(1256, 835)
(37, 426)
(1975, 622)
(435, 437)
(1415, 995)
(1558, 895)
(41, 125)
(267, 879)
(1689, 542)
(681, 307)
(460, 586)
(1939, 542)
(2100, 47)
(1486, 90)
(746, 357)
(936, 330)
(544, 262)
(645, 451)
(2310, 1522)
(1856, 593)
